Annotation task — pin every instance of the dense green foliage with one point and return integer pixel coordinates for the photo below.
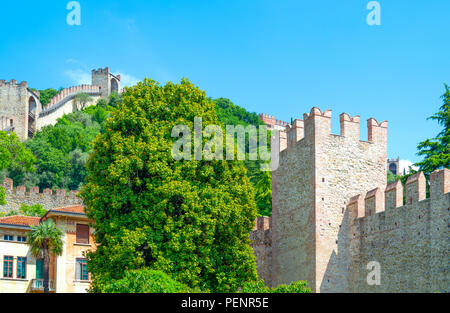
(436, 151)
(35, 210)
(145, 281)
(231, 114)
(82, 99)
(46, 95)
(258, 287)
(189, 219)
(15, 156)
(62, 150)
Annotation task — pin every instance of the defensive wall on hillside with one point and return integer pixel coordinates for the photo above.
(21, 110)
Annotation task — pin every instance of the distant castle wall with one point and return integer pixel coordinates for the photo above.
(64, 103)
(15, 197)
(21, 106)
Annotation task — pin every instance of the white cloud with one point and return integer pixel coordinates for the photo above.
(79, 77)
(405, 165)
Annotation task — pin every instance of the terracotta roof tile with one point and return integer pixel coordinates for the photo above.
(20, 220)
(71, 209)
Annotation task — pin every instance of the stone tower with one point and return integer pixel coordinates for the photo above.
(19, 108)
(108, 82)
(318, 173)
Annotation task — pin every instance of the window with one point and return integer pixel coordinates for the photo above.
(8, 266)
(8, 237)
(21, 267)
(39, 269)
(21, 238)
(82, 233)
(81, 272)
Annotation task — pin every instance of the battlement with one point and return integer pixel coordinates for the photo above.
(262, 223)
(101, 71)
(13, 83)
(48, 199)
(379, 200)
(271, 120)
(64, 93)
(316, 126)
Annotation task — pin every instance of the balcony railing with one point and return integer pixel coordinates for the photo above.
(38, 285)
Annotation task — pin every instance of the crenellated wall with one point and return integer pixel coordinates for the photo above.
(318, 172)
(22, 105)
(15, 197)
(261, 238)
(272, 122)
(410, 242)
(64, 103)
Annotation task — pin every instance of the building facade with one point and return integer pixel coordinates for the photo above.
(23, 273)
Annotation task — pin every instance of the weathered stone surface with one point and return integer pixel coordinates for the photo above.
(333, 214)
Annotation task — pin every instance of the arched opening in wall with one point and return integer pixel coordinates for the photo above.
(393, 168)
(114, 85)
(31, 116)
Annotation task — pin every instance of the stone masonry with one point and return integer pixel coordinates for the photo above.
(321, 232)
(22, 112)
(15, 197)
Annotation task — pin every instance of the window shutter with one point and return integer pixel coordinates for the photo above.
(39, 269)
(82, 233)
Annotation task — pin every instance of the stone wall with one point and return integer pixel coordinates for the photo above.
(261, 238)
(410, 242)
(15, 102)
(14, 105)
(318, 173)
(15, 197)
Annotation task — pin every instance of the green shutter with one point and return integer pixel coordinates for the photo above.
(39, 269)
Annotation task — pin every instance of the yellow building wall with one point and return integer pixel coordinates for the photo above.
(66, 263)
(15, 249)
(62, 267)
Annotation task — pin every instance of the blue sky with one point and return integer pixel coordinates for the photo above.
(278, 57)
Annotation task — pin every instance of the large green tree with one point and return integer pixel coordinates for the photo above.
(232, 114)
(189, 219)
(436, 151)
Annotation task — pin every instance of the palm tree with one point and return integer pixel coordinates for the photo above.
(43, 240)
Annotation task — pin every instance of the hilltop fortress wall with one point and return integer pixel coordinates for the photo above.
(314, 233)
(21, 110)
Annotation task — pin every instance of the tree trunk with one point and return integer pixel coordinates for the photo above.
(46, 267)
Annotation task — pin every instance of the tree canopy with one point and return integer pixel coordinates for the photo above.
(13, 155)
(436, 151)
(189, 219)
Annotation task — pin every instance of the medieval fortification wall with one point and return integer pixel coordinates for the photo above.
(22, 112)
(314, 234)
(15, 197)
